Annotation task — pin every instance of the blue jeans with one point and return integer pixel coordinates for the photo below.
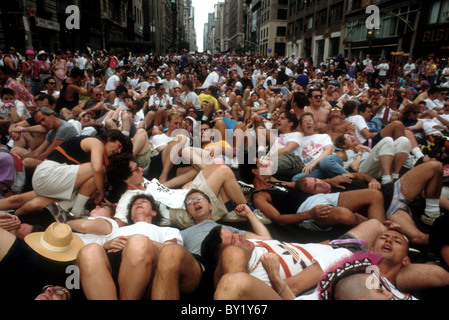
(329, 167)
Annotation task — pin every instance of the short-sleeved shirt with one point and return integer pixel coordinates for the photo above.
(312, 147)
(64, 132)
(193, 236)
(360, 124)
(285, 138)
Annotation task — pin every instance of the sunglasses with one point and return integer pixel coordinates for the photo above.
(317, 97)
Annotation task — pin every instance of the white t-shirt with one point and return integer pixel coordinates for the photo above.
(110, 84)
(151, 231)
(21, 110)
(95, 238)
(161, 102)
(430, 104)
(294, 257)
(163, 139)
(169, 84)
(383, 68)
(312, 147)
(360, 124)
(409, 68)
(212, 78)
(120, 103)
(285, 138)
(273, 82)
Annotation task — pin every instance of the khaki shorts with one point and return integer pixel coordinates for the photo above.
(55, 180)
(180, 217)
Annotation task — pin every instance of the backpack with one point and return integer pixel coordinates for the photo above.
(113, 63)
(19, 174)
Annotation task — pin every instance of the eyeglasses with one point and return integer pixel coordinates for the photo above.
(59, 291)
(199, 198)
(317, 97)
(336, 109)
(52, 83)
(308, 121)
(219, 112)
(348, 137)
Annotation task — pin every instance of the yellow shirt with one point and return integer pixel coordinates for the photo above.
(207, 97)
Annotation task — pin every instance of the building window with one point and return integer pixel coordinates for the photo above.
(309, 23)
(336, 13)
(321, 17)
(439, 12)
(282, 14)
(281, 31)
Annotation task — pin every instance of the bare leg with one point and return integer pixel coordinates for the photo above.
(233, 259)
(398, 161)
(182, 177)
(221, 180)
(242, 286)
(140, 142)
(16, 201)
(365, 198)
(95, 273)
(427, 177)
(341, 216)
(177, 271)
(395, 130)
(139, 260)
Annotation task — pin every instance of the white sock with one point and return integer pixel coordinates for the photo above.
(395, 176)
(269, 116)
(126, 133)
(204, 118)
(78, 207)
(416, 151)
(386, 179)
(432, 207)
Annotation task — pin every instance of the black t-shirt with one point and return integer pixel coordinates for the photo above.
(285, 199)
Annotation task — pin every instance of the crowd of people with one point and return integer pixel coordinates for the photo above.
(138, 171)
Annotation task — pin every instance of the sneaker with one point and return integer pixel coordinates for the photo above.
(429, 220)
(263, 218)
(246, 188)
(59, 214)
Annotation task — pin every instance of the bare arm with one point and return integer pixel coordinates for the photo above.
(95, 226)
(260, 231)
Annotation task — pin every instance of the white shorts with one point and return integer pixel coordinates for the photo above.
(55, 180)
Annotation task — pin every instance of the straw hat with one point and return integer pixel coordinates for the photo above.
(57, 243)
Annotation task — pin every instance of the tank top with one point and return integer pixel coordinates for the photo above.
(62, 102)
(285, 199)
(70, 152)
